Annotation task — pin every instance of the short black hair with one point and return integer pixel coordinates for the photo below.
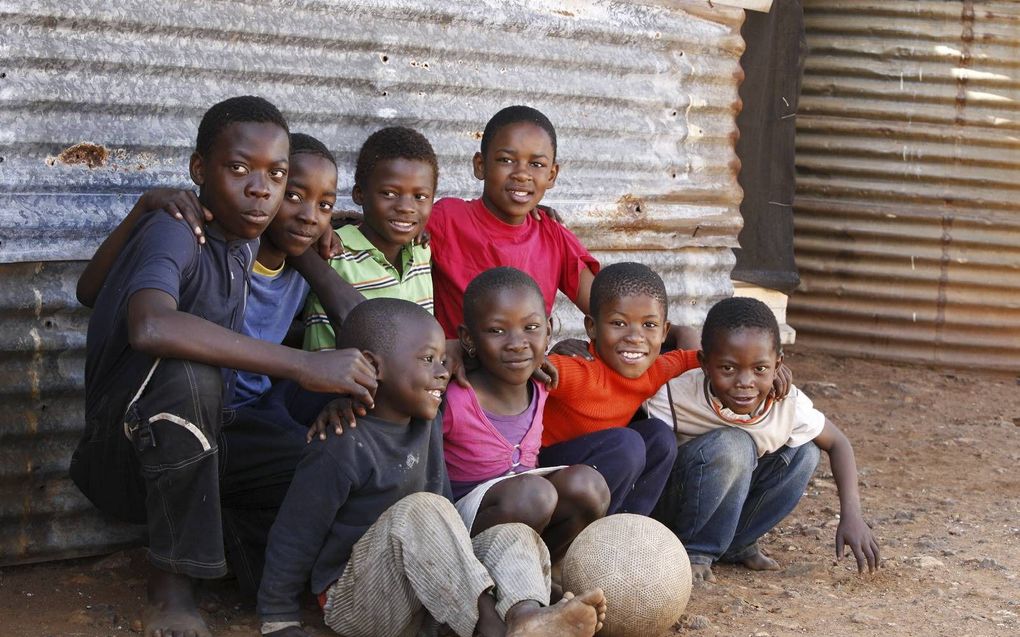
(515, 115)
(626, 279)
(245, 108)
(303, 144)
(736, 313)
(374, 324)
(393, 142)
(482, 286)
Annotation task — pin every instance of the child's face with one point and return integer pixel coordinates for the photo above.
(511, 335)
(396, 200)
(307, 204)
(518, 167)
(741, 366)
(628, 333)
(412, 377)
(243, 177)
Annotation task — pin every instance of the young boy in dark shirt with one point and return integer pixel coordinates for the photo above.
(161, 349)
(368, 520)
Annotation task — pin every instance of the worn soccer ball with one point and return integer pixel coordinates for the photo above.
(641, 567)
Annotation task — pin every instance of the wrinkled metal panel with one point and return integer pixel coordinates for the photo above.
(101, 100)
(907, 216)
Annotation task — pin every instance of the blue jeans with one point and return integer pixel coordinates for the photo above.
(635, 461)
(721, 497)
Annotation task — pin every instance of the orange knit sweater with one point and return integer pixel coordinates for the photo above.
(591, 396)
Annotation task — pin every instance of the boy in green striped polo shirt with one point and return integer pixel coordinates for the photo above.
(394, 183)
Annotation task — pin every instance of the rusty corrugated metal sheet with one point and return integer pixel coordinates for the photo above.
(907, 213)
(101, 100)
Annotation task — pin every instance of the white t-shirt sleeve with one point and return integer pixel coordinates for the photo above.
(809, 421)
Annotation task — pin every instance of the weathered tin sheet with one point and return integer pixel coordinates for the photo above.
(907, 214)
(101, 100)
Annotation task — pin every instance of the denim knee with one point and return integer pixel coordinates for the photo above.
(729, 451)
(804, 460)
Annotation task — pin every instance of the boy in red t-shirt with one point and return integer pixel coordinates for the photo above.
(517, 162)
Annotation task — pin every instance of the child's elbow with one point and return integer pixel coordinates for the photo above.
(144, 335)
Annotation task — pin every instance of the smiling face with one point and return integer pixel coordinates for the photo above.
(510, 335)
(741, 366)
(306, 208)
(243, 177)
(519, 165)
(628, 333)
(411, 374)
(397, 201)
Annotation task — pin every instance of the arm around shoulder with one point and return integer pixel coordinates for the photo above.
(337, 296)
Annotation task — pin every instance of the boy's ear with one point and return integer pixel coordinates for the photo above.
(589, 327)
(666, 325)
(779, 361)
(357, 195)
(478, 162)
(196, 166)
(554, 171)
(377, 362)
(701, 359)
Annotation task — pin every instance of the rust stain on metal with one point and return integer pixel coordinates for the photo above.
(966, 40)
(87, 153)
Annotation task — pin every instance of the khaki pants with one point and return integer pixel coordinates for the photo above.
(417, 566)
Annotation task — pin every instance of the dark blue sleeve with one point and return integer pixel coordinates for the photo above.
(319, 489)
(166, 251)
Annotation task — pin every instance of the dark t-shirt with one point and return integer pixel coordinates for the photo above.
(209, 281)
(341, 487)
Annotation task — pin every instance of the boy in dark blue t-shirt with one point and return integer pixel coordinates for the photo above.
(161, 347)
(368, 521)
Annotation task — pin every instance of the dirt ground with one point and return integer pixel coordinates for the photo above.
(937, 452)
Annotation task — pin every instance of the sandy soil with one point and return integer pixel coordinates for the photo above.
(937, 452)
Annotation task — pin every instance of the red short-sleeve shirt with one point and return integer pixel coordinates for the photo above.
(467, 239)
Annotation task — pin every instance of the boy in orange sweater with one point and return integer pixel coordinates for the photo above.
(588, 415)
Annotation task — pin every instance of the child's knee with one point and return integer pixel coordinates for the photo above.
(533, 501)
(584, 488)
(424, 505)
(805, 460)
(730, 451)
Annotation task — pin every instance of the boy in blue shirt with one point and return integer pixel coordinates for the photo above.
(368, 520)
(161, 349)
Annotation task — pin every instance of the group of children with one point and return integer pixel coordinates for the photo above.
(422, 461)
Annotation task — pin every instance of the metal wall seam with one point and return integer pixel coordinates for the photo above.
(907, 216)
(101, 100)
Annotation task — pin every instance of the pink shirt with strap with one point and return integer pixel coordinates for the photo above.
(475, 449)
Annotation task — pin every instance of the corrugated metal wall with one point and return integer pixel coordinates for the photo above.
(907, 213)
(100, 100)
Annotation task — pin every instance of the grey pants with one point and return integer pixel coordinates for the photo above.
(417, 567)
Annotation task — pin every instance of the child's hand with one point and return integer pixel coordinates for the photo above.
(335, 414)
(455, 363)
(547, 375)
(343, 371)
(854, 533)
(572, 347)
(536, 213)
(423, 238)
(180, 204)
(784, 380)
(328, 245)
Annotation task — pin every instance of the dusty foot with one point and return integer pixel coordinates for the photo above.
(760, 562)
(171, 611)
(702, 574)
(572, 616)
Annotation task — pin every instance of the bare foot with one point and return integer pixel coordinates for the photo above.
(572, 616)
(171, 611)
(702, 574)
(760, 562)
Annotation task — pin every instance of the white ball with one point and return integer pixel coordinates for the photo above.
(641, 567)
